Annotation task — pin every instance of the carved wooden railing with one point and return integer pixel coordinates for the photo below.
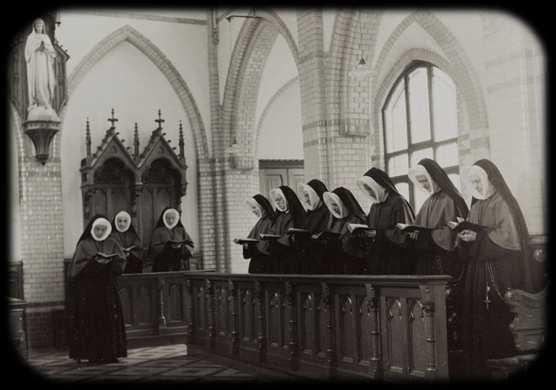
(384, 327)
(15, 279)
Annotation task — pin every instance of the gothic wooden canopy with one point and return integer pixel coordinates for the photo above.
(115, 177)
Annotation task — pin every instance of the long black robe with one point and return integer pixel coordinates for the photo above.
(485, 331)
(166, 258)
(387, 256)
(97, 330)
(317, 221)
(135, 258)
(434, 247)
(281, 251)
(337, 258)
(260, 262)
(286, 256)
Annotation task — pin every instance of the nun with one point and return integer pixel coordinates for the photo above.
(97, 331)
(344, 210)
(494, 251)
(124, 233)
(317, 218)
(385, 254)
(289, 214)
(433, 245)
(260, 261)
(171, 246)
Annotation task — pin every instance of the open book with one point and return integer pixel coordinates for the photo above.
(459, 226)
(129, 249)
(242, 241)
(325, 236)
(358, 226)
(106, 255)
(409, 228)
(269, 237)
(298, 231)
(177, 242)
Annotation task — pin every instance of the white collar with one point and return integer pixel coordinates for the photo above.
(277, 192)
(366, 182)
(314, 199)
(331, 199)
(122, 214)
(101, 221)
(174, 211)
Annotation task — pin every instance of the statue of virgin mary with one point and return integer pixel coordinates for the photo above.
(39, 56)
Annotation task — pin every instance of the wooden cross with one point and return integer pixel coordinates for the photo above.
(112, 119)
(159, 120)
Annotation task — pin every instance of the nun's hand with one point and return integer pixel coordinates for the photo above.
(467, 235)
(414, 235)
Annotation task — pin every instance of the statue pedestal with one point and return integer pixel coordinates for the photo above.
(41, 126)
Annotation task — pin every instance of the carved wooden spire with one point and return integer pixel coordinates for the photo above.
(135, 142)
(181, 143)
(88, 139)
(159, 120)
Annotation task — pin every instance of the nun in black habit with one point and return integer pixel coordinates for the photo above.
(289, 214)
(124, 233)
(385, 254)
(344, 210)
(171, 246)
(95, 312)
(497, 259)
(317, 219)
(260, 261)
(433, 245)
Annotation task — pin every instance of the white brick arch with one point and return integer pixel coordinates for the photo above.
(252, 48)
(159, 59)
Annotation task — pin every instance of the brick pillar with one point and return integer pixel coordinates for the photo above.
(312, 84)
(42, 242)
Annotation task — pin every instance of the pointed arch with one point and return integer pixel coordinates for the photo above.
(159, 59)
(462, 70)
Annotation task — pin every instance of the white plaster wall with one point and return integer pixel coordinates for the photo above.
(280, 131)
(130, 83)
(185, 45)
(279, 68)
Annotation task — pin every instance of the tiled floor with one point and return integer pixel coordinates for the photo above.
(170, 363)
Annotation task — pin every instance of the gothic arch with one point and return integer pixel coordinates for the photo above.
(459, 67)
(153, 53)
(251, 50)
(266, 110)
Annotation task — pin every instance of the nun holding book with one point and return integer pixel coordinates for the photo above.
(171, 246)
(124, 233)
(255, 249)
(97, 331)
(383, 245)
(345, 210)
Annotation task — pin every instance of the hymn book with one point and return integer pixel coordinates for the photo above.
(352, 227)
(269, 237)
(465, 225)
(242, 241)
(409, 228)
(325, 236)
(298, 231)
(177, 242)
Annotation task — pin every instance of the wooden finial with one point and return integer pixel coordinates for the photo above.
(112, 120)
(159, 120)
(88, 139)
(181, 143)
(135, 142)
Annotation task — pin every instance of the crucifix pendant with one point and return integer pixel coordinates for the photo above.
(487, 301)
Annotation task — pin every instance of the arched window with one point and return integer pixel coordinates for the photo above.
(419, 120)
